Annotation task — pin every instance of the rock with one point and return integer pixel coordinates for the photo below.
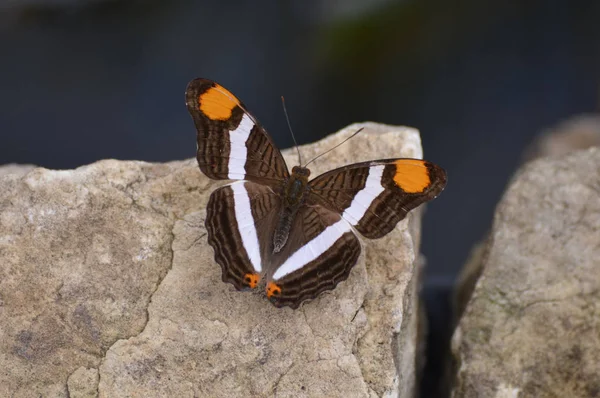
(12, 168)
(466, 281)
(531, 326)
(82, 251)
(578, 132)
(83, 383)
(107, 276)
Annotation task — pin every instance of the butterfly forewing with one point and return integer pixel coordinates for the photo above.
(374, 196)
(231, 144)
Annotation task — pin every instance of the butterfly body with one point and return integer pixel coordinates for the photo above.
(293, 236)
(294, 194)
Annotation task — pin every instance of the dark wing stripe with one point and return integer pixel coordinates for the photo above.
(311, 250)
(324, 273)
(231, 223)
(364, 198)
(231, 144)
(371, 211)
(245, 153)
(319, 254)
(225, 239)
(374, 208)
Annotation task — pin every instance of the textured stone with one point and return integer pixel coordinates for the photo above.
(82, 251)
(531, 326)
(576, 133)
(18, 169)
(107, 276)
(83, 383)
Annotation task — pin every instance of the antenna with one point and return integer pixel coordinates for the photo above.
(329, 150)
(290, 127)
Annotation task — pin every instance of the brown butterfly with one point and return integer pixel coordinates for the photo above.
(295, 236)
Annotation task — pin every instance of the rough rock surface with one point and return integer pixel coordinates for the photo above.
(575, 133)
(531, 326)
(18, 169)
(108, 288)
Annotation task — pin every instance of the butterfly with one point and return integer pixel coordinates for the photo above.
(294, 236)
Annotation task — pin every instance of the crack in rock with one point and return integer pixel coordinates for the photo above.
(150, 297)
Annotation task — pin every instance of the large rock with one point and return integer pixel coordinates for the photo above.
(108, 288)
(576, 133)
(18, 169)
(531, 326)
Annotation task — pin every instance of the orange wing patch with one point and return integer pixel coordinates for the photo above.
(412, 175)
(273, 290)
(251, 280)
(217, 103)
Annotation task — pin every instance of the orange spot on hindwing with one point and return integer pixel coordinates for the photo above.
(412, 175)
(273, 290)
(251, 280)
(217, 103)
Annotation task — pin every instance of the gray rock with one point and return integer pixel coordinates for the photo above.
(107, 279)
(576, 133)
(18, 169)
(531, 326)
(83, 383)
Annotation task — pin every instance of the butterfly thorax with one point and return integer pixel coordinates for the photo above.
(295, 190)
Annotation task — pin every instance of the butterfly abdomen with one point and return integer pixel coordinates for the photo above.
(282, 231)
(294, 194)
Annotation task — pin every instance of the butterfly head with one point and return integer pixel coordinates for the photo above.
(300, 172)
(297, 185)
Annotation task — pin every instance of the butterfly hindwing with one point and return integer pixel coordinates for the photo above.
(236, 218)
(374, 196)
(231, 143)
(319, 254)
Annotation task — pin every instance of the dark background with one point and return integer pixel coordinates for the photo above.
(82, 81)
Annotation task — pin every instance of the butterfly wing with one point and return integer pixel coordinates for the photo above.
(239, 217)
(322, 247)
(374, 196)
(319, 254)
(231, 143)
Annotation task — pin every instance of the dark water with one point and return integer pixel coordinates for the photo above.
(479, 81)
